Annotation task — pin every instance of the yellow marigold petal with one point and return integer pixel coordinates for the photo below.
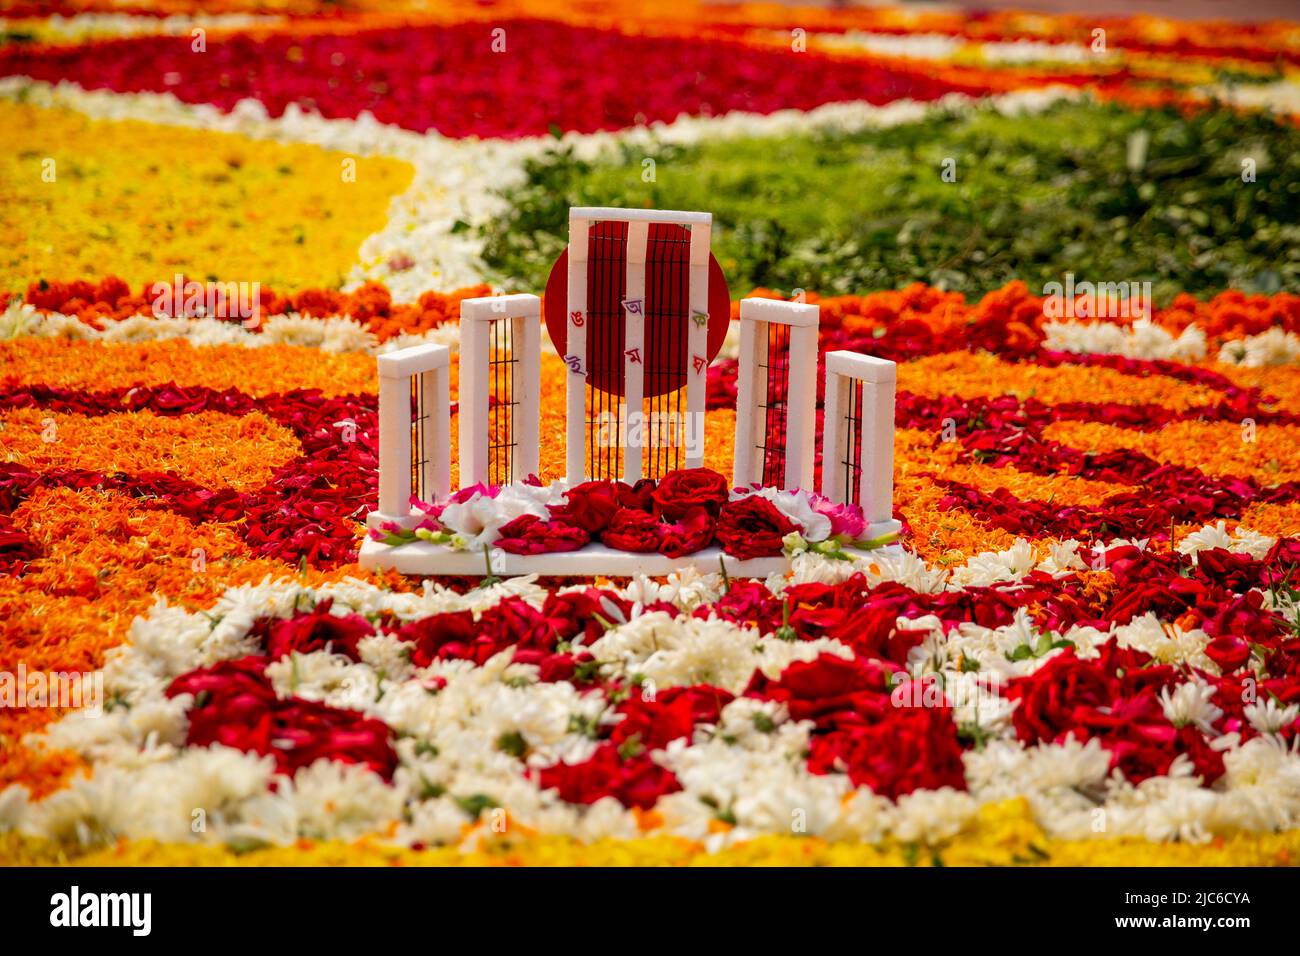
(1268, 453)
(147, 202)
(94, 366)
(978, 374)
(212, 449)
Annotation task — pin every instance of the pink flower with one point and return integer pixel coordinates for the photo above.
(846, 520)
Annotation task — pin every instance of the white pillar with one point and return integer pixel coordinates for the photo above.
(526, 339)
(756, 319)
(801, 402)
(580, 220)
(877, 495)
(477, 315)
(835, 433)
(746, 466)
(575, 432)
(394, 445)
(876, 490)
(437, 434)
(472, 395)
(697, 348)
(427, 364)
(634, 350)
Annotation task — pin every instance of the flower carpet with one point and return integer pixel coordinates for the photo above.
(1086, 652)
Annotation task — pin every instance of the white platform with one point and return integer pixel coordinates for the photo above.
(423, 557)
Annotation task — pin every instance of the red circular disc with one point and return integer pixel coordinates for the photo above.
(667, 355)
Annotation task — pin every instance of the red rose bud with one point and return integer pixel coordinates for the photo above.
(529, 534)
(684, 491)
(1229, 653)
(629, 530)
(752, 528)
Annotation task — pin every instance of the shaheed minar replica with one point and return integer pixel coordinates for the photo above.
(637, 307)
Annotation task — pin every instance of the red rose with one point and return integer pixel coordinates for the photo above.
(512, 622)
(552, 668)
(236, 706)
(1051, 697)
(752, 528)
(639, 496)
(826, 688)
(688, 489)
(635, 780)
(239, 686)
(304, 731)
(1228, 652)
(674, 713)
(632, 531)
(912, 748)
(693, 532)
(318, 631)
(439, 636)
(589, 506)
(529, 534)
(568, 614)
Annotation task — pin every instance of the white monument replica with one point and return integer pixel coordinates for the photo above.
(637, 307)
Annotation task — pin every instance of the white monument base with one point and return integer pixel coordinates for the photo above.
(423, 557)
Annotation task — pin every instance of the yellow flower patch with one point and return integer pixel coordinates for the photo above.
(1268, 453)
(1276, 521)
(946, 537)
(88, 197)
(1279, 384)
(1002, 834)
(923, 451)
(254, 371)
(979, 375)
(950, 537)
(208, 448)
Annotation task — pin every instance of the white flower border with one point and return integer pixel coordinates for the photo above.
(147, 784)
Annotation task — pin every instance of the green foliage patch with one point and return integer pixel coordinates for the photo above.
(1101, 191)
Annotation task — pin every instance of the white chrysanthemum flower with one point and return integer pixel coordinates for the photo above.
(447, 334)
(1062, 559)
(1268, 716)
(688, 650)
(1276, 346)
(151, 730)
(932, 816)
(1163, 808)
(388, 656)
(1210, 536)
(333, 334)
(191, 798)
(686, 589)
(754, 724)
(1004, 769)
(866, 817)
(757, 791)
(1191, 703)
(977, 701)
(1141, 340)
(1241, 541)
(20, 319)
(14, 806)
(338, 801)
(329, 678)
(1166, 642)
(992, 567)
(435, 822)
